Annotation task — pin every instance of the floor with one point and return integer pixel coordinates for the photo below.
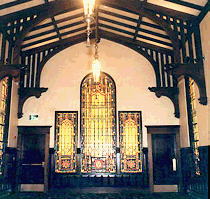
(98, 193)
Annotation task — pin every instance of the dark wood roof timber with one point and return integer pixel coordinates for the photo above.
(165, 33)
(62, 5)
(50, 9)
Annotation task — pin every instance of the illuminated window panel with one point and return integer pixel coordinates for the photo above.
(3, 105)
(66, 142)
(130, 141)
(195, 133)
(98, 125)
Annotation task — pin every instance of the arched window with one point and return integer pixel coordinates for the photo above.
(98, 124)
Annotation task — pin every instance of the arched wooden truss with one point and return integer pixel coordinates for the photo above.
(160, 34)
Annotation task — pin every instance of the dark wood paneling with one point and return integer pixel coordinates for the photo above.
(82, 181)
(195, 185)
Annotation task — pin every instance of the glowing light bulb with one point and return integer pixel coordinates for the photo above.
(96, 66)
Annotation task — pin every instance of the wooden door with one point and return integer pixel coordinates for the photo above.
(164, 159)
(32, 159)
(33, 144)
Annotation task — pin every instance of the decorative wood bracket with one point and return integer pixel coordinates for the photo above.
(172, 93)
(10, 69)
(25, 93)
(196, 72)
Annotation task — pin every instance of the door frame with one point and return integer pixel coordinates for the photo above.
(163, 129)
(24, 130)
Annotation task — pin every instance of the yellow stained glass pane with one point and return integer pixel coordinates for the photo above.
(130, 141)
(98, 125)
(195, 132)
(3, 103)
(66, 132)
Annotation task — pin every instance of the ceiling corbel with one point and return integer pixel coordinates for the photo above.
(25, 93)
(196, 72)
(172, 93)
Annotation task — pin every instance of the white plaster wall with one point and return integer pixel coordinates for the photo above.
(13, 120)
(203, 112)
(132, 73)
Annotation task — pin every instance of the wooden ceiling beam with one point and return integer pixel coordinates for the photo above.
(38, 27)
(65, 42)
(140, 19)
(169, 12)
(39, 41)
(196, 22)
(55, 24)
(52, 37)
(71, 25)
(133, 6)
(130, 19)
(56, 7)
(187, 4)
(122, 39)
(13, 3)
(117, 15)
(61, 5)
(70, 18)
(139, 35)
(38, 35)
(103, 34)
(50, 8)
(133, 27)
(75, 30)
(56, 28)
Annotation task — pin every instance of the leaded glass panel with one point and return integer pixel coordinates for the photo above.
(4, 97)
(66, 142)
(98, 125)
(130, 141)
(194, 124)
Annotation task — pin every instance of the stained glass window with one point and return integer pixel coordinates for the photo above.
(66, 142)
(3, 108)
(130, 141)
(98, 125)
(194, 134)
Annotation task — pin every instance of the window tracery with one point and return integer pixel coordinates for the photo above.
(98, 125)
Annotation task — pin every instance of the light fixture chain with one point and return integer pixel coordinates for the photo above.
(96, 50)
